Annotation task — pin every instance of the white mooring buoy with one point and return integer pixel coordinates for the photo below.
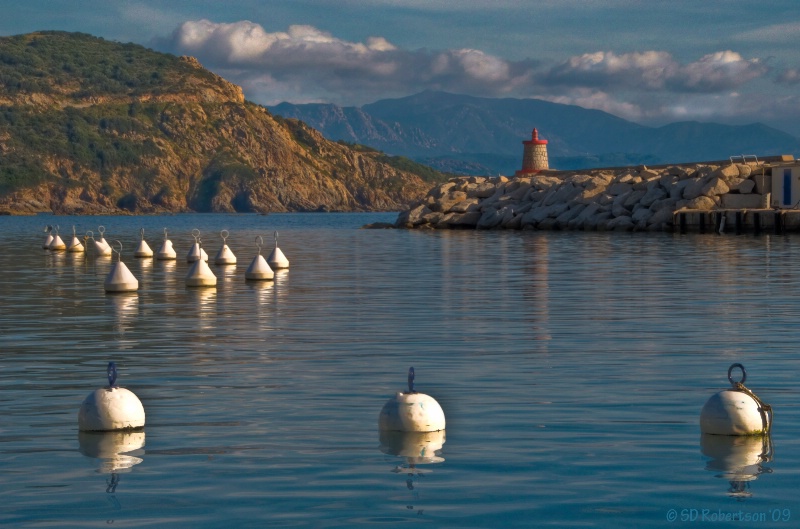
(736, 411)
(47, 240)
(199, 274)
(166, 252)
(276, 258)
(110, 408)
(100, 248)
(57, 244)
(119, 278)
(143, 250)
(225, 256)
(75, 245)
(411, 412)
(101, 245)
(196, 252)
(259, 269)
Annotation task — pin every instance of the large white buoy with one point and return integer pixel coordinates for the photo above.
(57, 244)
(119, 278)
(143, 250)
(200, 275)
(735, 411)
(259, 269)
(276, 259)
(166, 252)
(110, 408)
(47, 240)
(411, 412)
(225, 256)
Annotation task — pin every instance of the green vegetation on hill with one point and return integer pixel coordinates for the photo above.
(92, 126)
(57, 63)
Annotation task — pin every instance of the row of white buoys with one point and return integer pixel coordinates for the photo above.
(143, 250)
(259, 269)
(111, 408)
(736, 410)
(120, 278)
(166, 252)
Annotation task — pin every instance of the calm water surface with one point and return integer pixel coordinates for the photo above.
(571, 367)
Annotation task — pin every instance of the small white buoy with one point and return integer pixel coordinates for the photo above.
(225, 256)
(119, 278)
(166, 252)
(259, 269)
(735, 411)
(101, 245)
(75, 245)
(196, 252)
(110, 408)
(101, 248)
(57, 244)
(143, 250)
(200, 275)
(276, 258)
(47, 240)
(411, 412)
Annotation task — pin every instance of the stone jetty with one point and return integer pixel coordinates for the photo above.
(618, 199)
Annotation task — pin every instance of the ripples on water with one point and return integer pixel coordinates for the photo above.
(571, 367)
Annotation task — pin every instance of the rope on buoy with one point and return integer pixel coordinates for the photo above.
(764, 409)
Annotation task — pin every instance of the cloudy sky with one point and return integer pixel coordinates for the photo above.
(650, 61)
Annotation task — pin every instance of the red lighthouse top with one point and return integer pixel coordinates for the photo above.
(535, 139)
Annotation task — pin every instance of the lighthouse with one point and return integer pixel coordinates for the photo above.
(534, 156)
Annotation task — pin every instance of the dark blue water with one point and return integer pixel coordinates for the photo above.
(571, 367)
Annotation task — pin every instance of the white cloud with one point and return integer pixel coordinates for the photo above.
(656, 70)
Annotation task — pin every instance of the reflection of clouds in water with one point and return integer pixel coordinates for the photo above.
(117, 451)
(738, 459)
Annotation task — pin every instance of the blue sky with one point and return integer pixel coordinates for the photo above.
(650, 61)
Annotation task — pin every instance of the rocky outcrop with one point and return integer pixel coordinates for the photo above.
(95, 127)
(627, 199)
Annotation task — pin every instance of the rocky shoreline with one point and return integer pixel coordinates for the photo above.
(624, 199)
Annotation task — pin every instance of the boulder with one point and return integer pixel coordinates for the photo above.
(746, 187)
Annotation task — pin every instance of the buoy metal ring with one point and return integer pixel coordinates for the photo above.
(224, 234)
(276, 239)
(90, 234)
(259, 243)
(165, 234)
(196, 234)
(730, 378)
(119, 252)
(112, 374)
(102, 230)
(141, 232)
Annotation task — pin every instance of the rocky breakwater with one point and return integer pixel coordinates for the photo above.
(630, 199)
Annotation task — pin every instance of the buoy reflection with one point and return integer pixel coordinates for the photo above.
(417, 448)
(117, 451)
(737, 459)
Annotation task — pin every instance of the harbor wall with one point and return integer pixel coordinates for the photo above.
(689, 197)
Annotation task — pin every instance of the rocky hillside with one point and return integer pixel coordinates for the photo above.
(91, 126)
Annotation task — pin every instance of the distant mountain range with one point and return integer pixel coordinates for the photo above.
(474, 135)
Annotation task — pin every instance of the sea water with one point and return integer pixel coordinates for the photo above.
(571, 367)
